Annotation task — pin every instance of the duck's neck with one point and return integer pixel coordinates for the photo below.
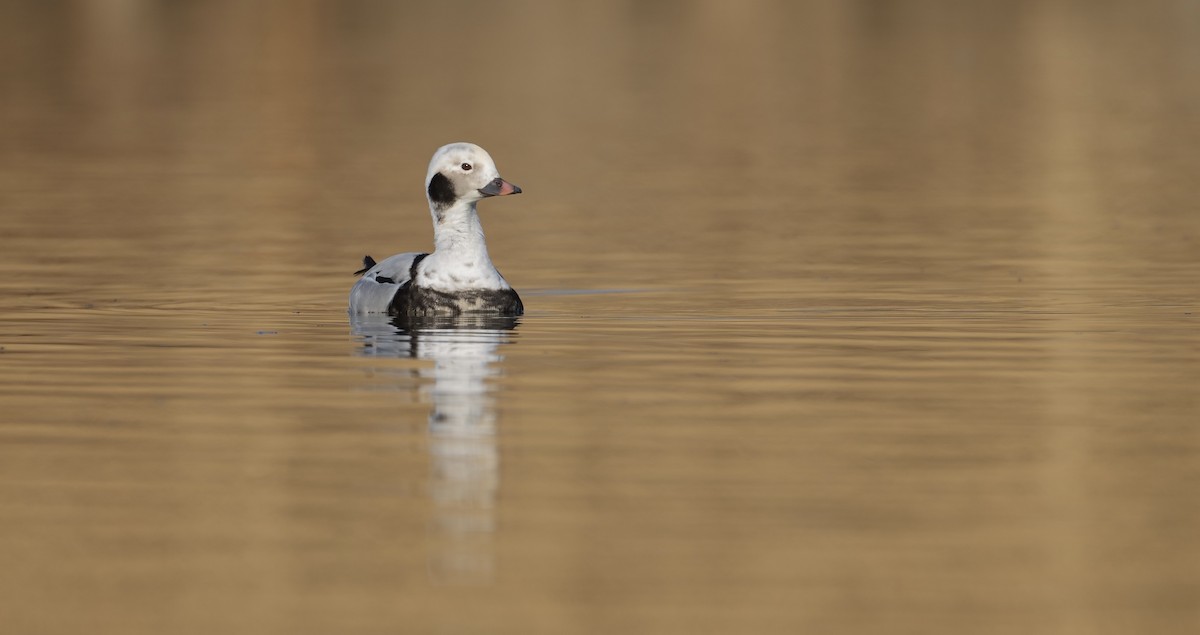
(457, 232)
(460, 256)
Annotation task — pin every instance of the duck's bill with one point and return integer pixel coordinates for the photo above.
(499, 187)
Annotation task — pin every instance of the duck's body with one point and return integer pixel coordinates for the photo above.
(458, 276)
(394, 287)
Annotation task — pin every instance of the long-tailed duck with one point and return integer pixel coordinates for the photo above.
(458, 277)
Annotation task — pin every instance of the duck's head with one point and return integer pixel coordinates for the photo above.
(463, 172)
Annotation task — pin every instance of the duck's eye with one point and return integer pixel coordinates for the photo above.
(466, 167)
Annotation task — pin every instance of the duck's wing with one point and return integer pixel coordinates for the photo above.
(380, 281)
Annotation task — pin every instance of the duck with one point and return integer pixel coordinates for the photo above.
(458, 276)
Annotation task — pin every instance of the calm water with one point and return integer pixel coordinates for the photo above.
(843, 317)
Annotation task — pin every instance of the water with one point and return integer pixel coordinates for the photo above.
(842, 317)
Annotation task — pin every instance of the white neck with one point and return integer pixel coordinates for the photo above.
(460, 258)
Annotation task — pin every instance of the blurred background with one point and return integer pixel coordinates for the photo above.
(692, 136)
(844, 316)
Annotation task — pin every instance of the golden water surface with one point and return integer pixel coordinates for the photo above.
(842, 317)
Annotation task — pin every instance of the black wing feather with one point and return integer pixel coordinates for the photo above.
(368, 262)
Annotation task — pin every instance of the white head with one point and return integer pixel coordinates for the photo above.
(462, 173)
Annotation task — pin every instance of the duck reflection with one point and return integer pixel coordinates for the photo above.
(464, 458)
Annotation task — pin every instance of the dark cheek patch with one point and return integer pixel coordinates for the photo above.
(441, 191)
